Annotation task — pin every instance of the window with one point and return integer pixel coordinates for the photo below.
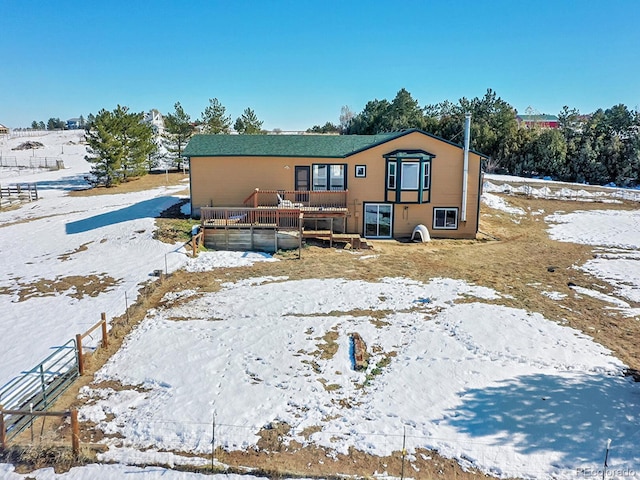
(336, 179)
(445, 218)
(426, 174)
(409, 171)
(391, 176)
(320, 177)
(329, 177)
(410, 178)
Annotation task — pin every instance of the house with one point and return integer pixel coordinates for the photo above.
(4, 130)
(74, 124)
(375, 186)
(539, 121)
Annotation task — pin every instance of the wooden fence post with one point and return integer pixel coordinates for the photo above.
(75, 433)
(105, 339)
(80, 356)
(3, 431)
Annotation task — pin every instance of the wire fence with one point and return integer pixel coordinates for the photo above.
(560, 191)
(216, 441)
(50, 163)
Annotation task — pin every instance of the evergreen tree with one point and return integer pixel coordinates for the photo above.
(373, 118)
(41, 125)
(405, 113)
(326, 128)
(55, 124)
(214, 119)
(248, 123)
(178, 129)
(34, 125)
(118, 146)
(550, 150)
(89, 123)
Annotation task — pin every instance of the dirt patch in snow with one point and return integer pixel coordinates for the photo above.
(67, 256)
(28, 146)
(75, 286)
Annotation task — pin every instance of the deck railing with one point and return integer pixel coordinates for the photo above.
(223, 217)
(297, 198)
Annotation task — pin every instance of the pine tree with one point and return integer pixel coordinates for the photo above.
(55, 124)
(118, 146)
(178, 129)
(214, 119)
(34, 125)
(248, 123)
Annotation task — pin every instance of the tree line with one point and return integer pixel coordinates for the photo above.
(120, 146)
(597, 148)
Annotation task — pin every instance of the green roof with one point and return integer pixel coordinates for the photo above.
(332, 146)
(538, 118)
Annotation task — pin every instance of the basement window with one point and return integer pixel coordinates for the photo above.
(445, 218)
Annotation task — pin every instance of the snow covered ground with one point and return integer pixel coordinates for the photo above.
(498, 388)
(500, 393)
(616, 236)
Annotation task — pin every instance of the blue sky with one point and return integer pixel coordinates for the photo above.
(295, 63)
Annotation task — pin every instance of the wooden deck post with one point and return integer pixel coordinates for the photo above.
(105, 339)
(79, 352)
(300, 229)
(75, 433)
(3, 431)
(331, 232)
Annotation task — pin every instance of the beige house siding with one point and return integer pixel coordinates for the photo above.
(228, 181)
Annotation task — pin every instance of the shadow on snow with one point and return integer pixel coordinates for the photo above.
(572, 414)
(145, 209)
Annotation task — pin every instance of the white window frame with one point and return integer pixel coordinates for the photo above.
(446, 211)
(392, 176)
(378, 206)
(410, 171)
(426, 175)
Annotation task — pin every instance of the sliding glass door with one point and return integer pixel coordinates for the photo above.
(378, 220)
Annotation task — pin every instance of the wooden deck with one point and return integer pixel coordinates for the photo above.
(269, 228)
(306, 200)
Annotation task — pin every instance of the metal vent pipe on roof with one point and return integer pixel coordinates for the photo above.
(465, 166)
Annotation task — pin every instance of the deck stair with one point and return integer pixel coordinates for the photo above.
(356, 242)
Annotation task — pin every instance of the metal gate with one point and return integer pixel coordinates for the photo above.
(39, 388)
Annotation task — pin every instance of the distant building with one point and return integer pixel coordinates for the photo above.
(155, 119)
(539, 121)
(74, 124)
(4, 130)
